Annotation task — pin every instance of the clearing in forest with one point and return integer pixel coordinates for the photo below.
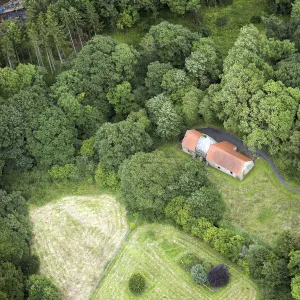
(75, 237)
(154, 251)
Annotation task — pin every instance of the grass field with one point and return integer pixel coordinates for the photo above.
(259, 204)
(154, 250)
(75, 237)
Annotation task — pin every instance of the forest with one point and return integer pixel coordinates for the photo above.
(79, 105)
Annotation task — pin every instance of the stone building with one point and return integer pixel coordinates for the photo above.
(222, 155)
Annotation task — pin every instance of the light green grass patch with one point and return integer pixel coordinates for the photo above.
(75, 237)
(259, 204)
(154, 251)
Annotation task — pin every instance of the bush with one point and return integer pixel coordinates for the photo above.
(189, 260)
(41, 287)
(199, 274)
(255, 20)
(205, 32)
(221, 21)
(218, 276)
(137, 283)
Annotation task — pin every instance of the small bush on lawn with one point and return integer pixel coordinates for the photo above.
(221, 21)
(137, 283)
(199, 274)
(218, 276)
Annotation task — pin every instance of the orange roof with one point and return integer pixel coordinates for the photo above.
(191, 139)
(223, 155)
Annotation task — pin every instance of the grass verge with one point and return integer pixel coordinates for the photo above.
(154, 251)
(75, 237)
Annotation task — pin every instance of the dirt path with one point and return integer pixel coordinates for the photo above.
(220, 135)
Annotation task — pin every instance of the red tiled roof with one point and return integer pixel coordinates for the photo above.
(224, 156)
(191, 139)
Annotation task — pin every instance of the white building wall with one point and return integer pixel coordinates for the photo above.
(222, 169)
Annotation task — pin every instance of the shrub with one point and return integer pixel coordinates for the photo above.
(205, 32)
(218, 276)
(255, 20)
(189, 260)
(221, 21)
(199, 274)
(137, 283)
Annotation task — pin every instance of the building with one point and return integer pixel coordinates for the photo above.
(12, 10)
(222, 155)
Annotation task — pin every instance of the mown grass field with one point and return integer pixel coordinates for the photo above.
(154, 250)
(75, 237)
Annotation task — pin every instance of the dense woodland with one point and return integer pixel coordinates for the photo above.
(76, 105)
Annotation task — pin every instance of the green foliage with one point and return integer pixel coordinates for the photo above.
(148, 182)
(167, 42)
(205, 63)
(189, 260)
(221, 21)
(153, 81)
(137, 283)
(106, 180)
(190, 104)
(60, 173)
(41, 287)
(255, 19)
(198, 274)
(52, 141)
(11, 282)
(294, 263)
(119, 141)
(162, 113)
(122, 99)
(296, 287)
(87, 147)
(207, 203)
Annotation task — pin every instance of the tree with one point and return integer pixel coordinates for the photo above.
(128, 17)
(11, 282)
(164, 116)
(167, 42)
(122, 99)
(288, 71)
(41, 287)
(198, 274)
(284, 243)
(137, 283)
(218, 276)
(208, 203)
(190, 105)
(153, 81)
(205, 63)
(52, 141)
(296, 287)
(116, 142)
(92, 17)
(294, 264)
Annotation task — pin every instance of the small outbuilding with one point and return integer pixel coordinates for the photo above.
(223, 155)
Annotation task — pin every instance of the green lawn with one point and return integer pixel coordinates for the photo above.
(259, 204)
(154, 250)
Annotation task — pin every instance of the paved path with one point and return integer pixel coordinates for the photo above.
(220, 135)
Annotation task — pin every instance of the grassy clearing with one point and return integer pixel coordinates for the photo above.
(75, 237)
(238, 15)
(154, 250)
(259, 204)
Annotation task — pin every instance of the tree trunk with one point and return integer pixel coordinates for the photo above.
(9, 61)
(73, 46)
(49, 60)
(59, 55)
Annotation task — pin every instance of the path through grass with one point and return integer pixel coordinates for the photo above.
(154, 250)
(75, 237)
